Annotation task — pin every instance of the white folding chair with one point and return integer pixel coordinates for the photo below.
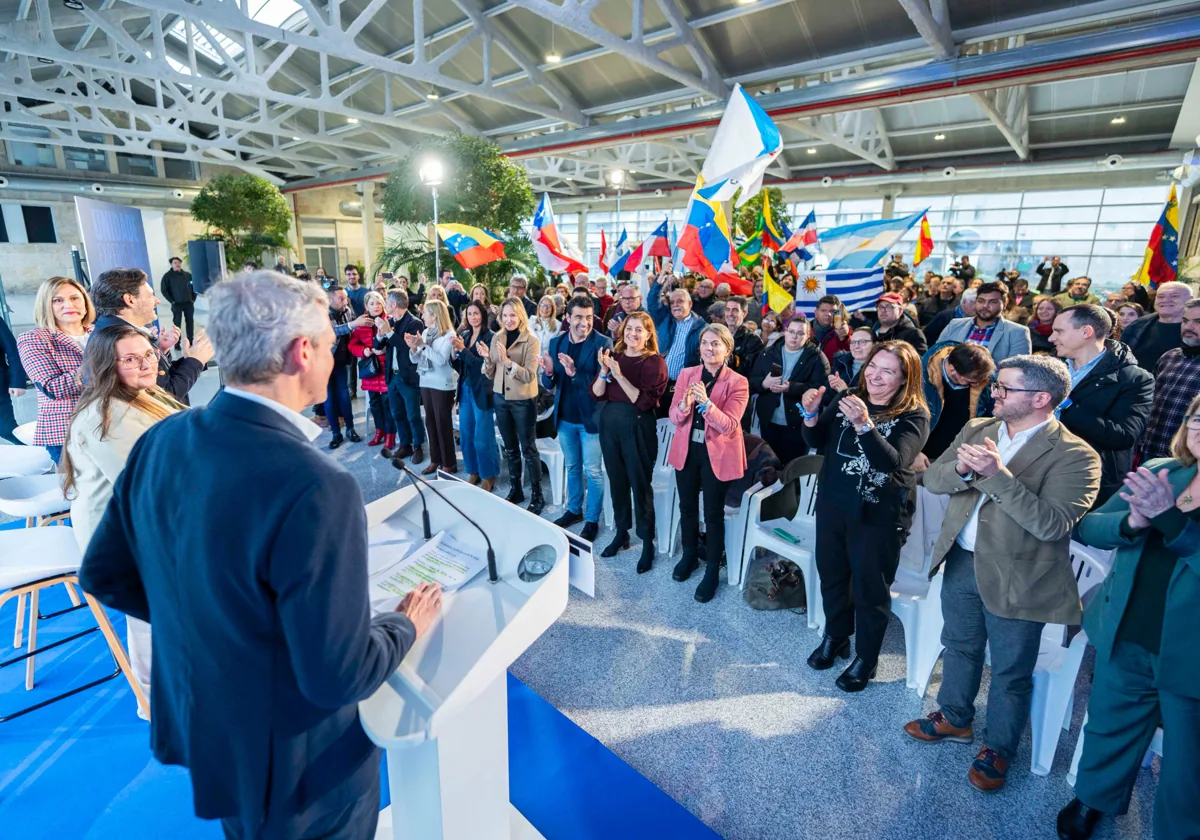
(917, 600)
(551, 454)
(802, 527)
(24, 460)
(666, 499)
(1058, 666)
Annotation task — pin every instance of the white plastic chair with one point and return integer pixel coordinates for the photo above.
(1058, 666)
(35, 498)
(760, 534)
(24, 460)
(24, 432)
(666, 500)
(917, 600)
(1156, 748)
(551, 454)
(610, 517)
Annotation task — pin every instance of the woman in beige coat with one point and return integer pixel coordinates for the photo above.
(119, 403)
(512, 362)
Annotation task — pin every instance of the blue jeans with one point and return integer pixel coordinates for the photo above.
(55, 453)
(581, 451)
(337, 400)
(406, 411)
(477, 435)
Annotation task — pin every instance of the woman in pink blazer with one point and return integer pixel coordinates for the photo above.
(707, 451)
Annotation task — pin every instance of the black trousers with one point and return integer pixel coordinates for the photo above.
(787, 443)
(516, 420)
(8, 420)
(341, 821)
(857, 562)
(439, 426)
(629, 444)
(185, 312)
(695, 476)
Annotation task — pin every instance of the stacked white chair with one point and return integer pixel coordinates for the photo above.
(24, 460)
(551, 454)
(917, 600)
(666, 500)
(38, 499)
(24, 433)
(33, 559)
(1058, 665)
(802, 552)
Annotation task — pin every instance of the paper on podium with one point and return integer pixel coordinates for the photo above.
(443, 560)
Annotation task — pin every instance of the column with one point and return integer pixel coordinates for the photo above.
(368, 231)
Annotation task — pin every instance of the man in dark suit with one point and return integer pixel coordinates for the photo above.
(124, 296)
(400, 373)
(251, 565)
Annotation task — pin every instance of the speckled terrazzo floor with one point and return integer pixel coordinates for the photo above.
(713, 703)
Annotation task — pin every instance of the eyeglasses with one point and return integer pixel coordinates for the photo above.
(862, 342)
(1192, 421)
(148, 360)
(1003, 391)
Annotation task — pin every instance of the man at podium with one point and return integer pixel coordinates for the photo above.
(246, 550)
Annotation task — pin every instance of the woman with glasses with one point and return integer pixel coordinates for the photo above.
(52, 355)
(848, 364)
(1143, 624)
(119, 403)
(869, 437)
(781, 376)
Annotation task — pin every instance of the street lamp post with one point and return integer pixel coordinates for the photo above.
(617, 176)
(430, 174)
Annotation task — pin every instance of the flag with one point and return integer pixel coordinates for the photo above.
(706, 242)
(471, 246)
(603, 253)
(863, 244)
(745, 144)
(619, 255)
(772, 237)
(655, 245)
(856, 288)
(803, 243)
(775, 297)
(1161, 264)
(750, 251)
(924, 243)
(550, 251)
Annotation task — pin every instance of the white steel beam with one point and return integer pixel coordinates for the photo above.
(861, 133)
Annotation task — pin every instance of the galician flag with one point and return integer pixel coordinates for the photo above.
(745, 144)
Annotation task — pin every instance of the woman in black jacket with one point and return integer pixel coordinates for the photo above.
(782, 374)
(869, 438)
(848, 364)
(12, 382)
(476, 409)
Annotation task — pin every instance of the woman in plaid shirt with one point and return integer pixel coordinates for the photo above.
(52, 355)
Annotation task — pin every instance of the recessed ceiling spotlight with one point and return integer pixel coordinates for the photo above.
(812, 150)
(939, 136)
(553, 58)
(42, 60)
(745, 2)
(352, 120)
(295, 138)
(73, 4)
(431, 96)
(1117, 121)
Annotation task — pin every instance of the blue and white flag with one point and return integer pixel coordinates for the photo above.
(802, 245)
(745, 143)
(863, 244)
(855, 288)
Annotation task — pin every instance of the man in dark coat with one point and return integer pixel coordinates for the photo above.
(893, 326)
(1110, 397)
(251, 565)
(400, 373)
(12, 382)
(176, 288)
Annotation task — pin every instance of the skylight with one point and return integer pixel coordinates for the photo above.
(270, 12)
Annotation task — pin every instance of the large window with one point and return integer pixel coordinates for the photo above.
(136, 165)
(30, 153)
(87, 160)
(637, 224)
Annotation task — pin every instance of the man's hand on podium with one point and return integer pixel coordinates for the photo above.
(422, 606)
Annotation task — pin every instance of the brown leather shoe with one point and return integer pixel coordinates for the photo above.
(473, 480)
(989, 771)
(935, 728)
(487, 484)
(430, 470)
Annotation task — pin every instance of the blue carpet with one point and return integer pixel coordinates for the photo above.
(92, 751)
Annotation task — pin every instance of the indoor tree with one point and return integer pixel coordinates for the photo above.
(748, 214)
(248, 213)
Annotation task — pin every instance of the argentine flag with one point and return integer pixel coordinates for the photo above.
(855, 288)
(863, 244)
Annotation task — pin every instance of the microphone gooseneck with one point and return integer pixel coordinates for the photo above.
(493, 575)
(399, 464)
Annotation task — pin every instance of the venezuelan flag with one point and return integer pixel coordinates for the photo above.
(706, 243)
(1161, 264)
(772, 237)
(471, 246)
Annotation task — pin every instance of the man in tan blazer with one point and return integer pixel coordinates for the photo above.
(1018, 482)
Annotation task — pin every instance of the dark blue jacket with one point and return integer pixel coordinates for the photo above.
(175, 377)
(586, 371)
(469, 365)
(397, 349)
(665, 325)
(12, 375)
(251, 564)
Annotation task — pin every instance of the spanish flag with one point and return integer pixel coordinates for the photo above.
(471, 246)
(924, 243)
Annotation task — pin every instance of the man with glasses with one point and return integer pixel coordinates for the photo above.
(892, 325)
(955, 378)
(1018, 483)
(629, 300)
(1176, 383)
(517, 287)
(678, 330)
(784, 372)
(1003, 339)
(1110, 395)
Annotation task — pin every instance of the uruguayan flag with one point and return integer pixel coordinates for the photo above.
(855, 288)
(864, 244)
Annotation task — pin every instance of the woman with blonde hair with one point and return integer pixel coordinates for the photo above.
(432, 352)
(512, 364)
(119, 403)
(545, 325)
(52, 355)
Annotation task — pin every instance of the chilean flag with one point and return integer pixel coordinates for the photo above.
(803, 242)
(551, 254)
(655, 245)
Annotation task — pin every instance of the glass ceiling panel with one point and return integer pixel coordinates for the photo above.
(270, 12)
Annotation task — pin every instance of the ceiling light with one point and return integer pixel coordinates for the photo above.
(617, 177)
(431, 96)
(73, 4)
(1117, 121)
(812, 150)
(745, 2)
(295, 138)
(553, 58)
(352, 120)
(939, 136)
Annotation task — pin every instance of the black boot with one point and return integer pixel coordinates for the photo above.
(647, 558)
(620, 543)
(829, 651)
(568, 519)
(516, 494)
(708, 587)
(1077, 821)
(536, 503)
(687, 564)
(589, 531)
(856, 677)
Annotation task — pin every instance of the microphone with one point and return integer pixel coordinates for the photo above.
(493, 575)
(399, 464)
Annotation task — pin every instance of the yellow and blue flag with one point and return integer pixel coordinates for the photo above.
(471, 246)
(1161, 263)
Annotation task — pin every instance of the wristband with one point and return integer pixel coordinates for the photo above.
(808, 416)
(607, 377)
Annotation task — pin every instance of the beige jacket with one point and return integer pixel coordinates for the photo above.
(518, 380)
(1022, 547)
(98, 462)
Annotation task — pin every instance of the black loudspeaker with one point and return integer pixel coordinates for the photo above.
(206, 259)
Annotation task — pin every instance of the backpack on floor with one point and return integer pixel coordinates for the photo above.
(777, 585)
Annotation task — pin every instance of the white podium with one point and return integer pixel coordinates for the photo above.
(443, 716)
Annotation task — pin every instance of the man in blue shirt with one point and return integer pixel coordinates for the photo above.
(678, 332)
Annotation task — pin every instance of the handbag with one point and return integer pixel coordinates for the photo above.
(778, 585)
(369, 367)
